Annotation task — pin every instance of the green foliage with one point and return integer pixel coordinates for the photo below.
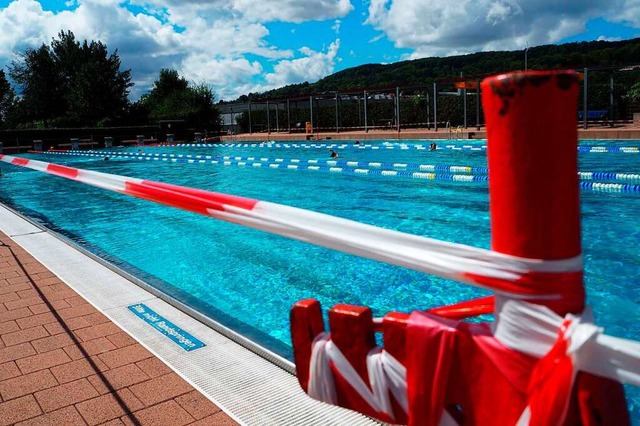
(173, 98)
(70, 83)
(42, 95)
(7, 102)
(423, 72)
(634, 93)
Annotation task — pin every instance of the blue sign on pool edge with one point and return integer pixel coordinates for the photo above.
(183, 339)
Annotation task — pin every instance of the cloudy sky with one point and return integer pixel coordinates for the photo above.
(241, 46)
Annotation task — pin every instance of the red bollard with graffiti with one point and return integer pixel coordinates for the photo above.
(535, 364)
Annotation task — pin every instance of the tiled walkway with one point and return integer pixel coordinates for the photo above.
(64, 363)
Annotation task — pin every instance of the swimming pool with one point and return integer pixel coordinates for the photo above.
(248, 279)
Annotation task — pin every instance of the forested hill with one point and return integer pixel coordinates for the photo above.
(421, 72)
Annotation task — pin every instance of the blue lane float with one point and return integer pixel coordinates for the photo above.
(328, 162)
(177, 158)
(633, 177)
(390, 146)
(283, 165)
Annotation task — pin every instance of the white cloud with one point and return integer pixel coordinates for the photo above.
(311, 67)
(292, 10)
(208, 41)
(223, 74)
(336, 26)
(629, 13)
(604, 38)
(15, 34)
(256, 10)
(444, 28)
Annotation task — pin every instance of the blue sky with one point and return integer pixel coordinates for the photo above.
(241, 46)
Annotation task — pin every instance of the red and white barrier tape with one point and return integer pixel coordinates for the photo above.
(387, 376)
(525, 327)
(533, 329)
(518, 277)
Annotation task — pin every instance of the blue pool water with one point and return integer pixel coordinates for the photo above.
(248, 279)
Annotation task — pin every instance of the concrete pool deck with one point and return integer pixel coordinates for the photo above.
(72, 351)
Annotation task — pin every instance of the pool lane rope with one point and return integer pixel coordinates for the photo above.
(328, 162)
(279, 163)
(389, 146)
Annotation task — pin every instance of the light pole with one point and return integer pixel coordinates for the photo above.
(526, 50)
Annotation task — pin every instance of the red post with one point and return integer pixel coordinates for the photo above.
(532, 154)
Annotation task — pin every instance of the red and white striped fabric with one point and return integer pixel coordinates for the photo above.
(520, 370)
(518, 277)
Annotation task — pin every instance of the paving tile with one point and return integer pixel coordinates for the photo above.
(96, 331)
(153, 367)
(19, 409)
(8, 297)
(21, 303)
(21, 336)
(78, 369)
(26, 294)
(161, 389)
(8, 327)
(92, 347)
(67, 416)
(52, 342)
(218, 419)
(41, 361)
(77, 323)
(13, 353)
(40, 309)
(77, 311)
(55, 328)
(197, 405)
(107, 407)
(64, 395)
(26, 384)
(34, 268)
(56, 284)
(115, 422)
(10, 267)
(122, 339)
(9, 370)
(45, 274)
(17, 283)
(76, 301)
(57, 296)
(126, 355)
(118, 378)
(34, 320)
(161, 414)
(96, 318)
(11, 273)
(14, 314)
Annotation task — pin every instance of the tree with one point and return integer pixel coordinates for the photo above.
(41, 95)
(634, 92)
(173, 98)
(72, 83)
(7, 101)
